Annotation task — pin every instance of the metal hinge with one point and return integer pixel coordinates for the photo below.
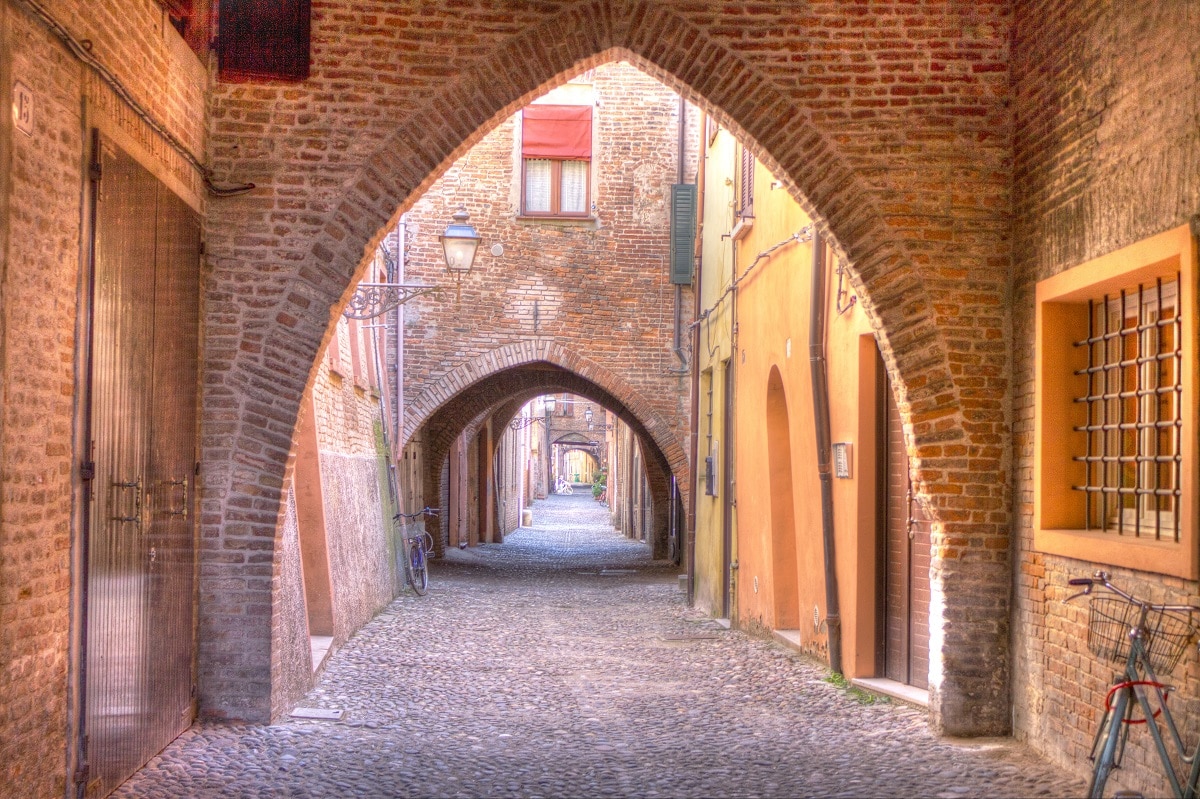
(82, 772)
(87, 470)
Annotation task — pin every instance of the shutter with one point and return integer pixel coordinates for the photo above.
(263, 39)
(683, 231)
(746, 206)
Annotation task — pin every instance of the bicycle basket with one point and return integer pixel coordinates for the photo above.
(1167, 633)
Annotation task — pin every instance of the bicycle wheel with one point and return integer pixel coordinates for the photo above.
(418, 567)
(405, 555)
(1110, 739)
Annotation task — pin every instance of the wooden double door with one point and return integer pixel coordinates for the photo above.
(903, 600)
(140, 470)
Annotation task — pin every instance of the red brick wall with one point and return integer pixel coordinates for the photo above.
(1106, 153)
(904, 109)
(41, 186)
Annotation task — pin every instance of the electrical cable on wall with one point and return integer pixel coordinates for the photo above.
(83, 51)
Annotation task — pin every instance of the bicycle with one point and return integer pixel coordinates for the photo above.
(1151, 639)
(561, 486)
(416, 550)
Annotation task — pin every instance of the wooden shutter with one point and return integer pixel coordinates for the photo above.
(683, 232)
(746, 184)
(263, 39)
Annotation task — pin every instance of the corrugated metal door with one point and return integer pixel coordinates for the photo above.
(906, 566)
(138, 648)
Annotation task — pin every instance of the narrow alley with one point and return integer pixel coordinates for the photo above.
(565, 662)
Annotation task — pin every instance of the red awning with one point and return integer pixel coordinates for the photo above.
(557, 131)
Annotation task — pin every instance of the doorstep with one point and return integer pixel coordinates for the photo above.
(894, 689)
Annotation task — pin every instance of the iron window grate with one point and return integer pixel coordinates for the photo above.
(1134, 426)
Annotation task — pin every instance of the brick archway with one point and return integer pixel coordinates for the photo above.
(831, 111)
(503, 380)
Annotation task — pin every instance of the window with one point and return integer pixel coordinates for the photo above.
(745, 194)
(1132, 427)
(556, 151)
(1115, 409)
(263, 40)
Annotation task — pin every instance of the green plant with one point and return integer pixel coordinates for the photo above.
(857, 694)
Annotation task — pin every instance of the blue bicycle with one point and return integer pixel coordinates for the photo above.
(415, 550)
(1150, 639)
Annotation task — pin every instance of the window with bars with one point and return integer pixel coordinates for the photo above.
(1133, 429)
(1115, 444)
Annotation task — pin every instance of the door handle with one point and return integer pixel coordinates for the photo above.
(183, 505)
(136, 487)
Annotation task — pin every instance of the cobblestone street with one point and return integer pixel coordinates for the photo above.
(565, 662)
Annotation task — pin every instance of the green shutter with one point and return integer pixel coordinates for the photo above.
(683, 232)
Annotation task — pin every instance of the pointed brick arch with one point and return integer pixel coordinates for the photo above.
(497, 381)
(893, 142)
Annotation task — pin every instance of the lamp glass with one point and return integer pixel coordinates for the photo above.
(459, 243)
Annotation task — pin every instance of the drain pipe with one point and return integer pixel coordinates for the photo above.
(820, 391)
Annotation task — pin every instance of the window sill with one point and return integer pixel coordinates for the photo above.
(742, 227)
(559, 221)
(1139, 554)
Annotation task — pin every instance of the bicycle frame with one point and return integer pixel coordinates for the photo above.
(1139, 680)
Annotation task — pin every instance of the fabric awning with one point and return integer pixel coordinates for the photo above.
(557, 131)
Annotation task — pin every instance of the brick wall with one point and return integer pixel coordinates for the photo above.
(1107, 152)
(40, 273)
(906, 110)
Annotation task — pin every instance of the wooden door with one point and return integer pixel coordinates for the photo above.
(139, 639)
(906, 549)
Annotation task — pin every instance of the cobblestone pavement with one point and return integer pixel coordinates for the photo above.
(564, 662)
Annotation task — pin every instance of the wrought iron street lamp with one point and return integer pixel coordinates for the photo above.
(459, 243)
(587, 415)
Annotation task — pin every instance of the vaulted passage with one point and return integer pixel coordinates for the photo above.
(971, 176)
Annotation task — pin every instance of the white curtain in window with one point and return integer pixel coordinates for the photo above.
(574, 187)
(537, 185)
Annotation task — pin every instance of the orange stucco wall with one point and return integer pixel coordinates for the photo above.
(773, 313)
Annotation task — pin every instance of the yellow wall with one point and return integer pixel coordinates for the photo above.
(716, 273)
(772, 315)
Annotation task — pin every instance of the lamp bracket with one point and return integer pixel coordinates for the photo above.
(375, 299)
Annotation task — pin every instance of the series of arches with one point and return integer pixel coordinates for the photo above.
(907, 263)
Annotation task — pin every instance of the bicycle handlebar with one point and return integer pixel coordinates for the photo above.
(422, 512)
(1101, 578)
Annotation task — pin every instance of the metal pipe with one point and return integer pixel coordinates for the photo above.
(820, 392)
(694, 443)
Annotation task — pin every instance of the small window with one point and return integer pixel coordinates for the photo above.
(1115, 409)
(556, 150)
